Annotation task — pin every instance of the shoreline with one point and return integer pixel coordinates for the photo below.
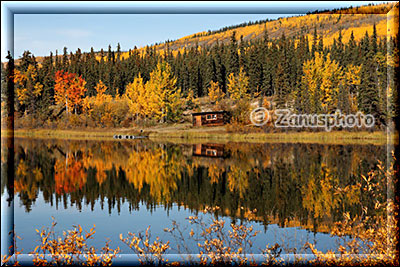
(194, 135)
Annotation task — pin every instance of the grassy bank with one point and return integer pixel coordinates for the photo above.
(375, 138)
(186, 134)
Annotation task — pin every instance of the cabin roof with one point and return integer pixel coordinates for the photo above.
(209, 112)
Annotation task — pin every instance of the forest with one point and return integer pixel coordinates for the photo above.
(305, 71)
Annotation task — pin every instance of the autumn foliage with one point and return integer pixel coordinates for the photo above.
(215, 92)
(28, 87)
(69, 90)
(159, 99)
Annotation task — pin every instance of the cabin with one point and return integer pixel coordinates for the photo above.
(208, 150)
(210, 118)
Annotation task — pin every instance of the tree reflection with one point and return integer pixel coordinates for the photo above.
(288, 184)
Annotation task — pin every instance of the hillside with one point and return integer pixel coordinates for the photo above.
(328, 24)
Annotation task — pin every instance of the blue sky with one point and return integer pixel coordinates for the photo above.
(42, 33)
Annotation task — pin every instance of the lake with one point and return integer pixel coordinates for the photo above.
(288, 192)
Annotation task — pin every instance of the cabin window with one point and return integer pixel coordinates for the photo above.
(211, 117)
(211, 152)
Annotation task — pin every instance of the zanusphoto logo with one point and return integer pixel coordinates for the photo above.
(285, 119)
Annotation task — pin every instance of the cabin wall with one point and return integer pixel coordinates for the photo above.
(209, 120)
(208, 150)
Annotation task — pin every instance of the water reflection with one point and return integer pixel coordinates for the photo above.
(286, 184)
(210, 150)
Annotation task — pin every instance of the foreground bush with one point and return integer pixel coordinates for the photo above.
(69, 249)
(374, 232)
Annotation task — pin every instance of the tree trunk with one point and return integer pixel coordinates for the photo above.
(66, 104)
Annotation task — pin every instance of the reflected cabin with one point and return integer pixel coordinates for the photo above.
(210, 118)
(209, 150)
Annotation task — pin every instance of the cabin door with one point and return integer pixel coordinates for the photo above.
(198, 120)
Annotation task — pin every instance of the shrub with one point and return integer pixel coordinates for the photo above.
(373, 232)
(69, 249)
(218, 246)
(241, 112)
(148, 252)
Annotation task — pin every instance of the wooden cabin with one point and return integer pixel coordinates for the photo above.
(210, 118)
(209, 150)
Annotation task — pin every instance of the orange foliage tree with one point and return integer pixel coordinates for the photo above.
(69, 89)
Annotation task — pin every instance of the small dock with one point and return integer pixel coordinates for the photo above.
(129, 137)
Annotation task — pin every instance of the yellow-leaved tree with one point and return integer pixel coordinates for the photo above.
(103, 109)
(326, 86)
(136, 94)
(191, 101)
(159, 99)
(238, 86)
(28, 89)
(215, 92)
(101, 89)
(321, 80)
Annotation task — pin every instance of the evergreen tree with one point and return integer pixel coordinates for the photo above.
(46, 78)
(255, 70)
(281, 87)
(57, 62)
(233, 56)
(65, 61)
(374, 41)
(351, 51)
(368, 97)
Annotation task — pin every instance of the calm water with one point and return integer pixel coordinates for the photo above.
(124, 186)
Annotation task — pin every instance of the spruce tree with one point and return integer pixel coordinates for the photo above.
(281, 87)
(368, 97)
(65, 63)
(233, 57)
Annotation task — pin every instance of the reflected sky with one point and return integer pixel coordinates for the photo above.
(110, 226)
